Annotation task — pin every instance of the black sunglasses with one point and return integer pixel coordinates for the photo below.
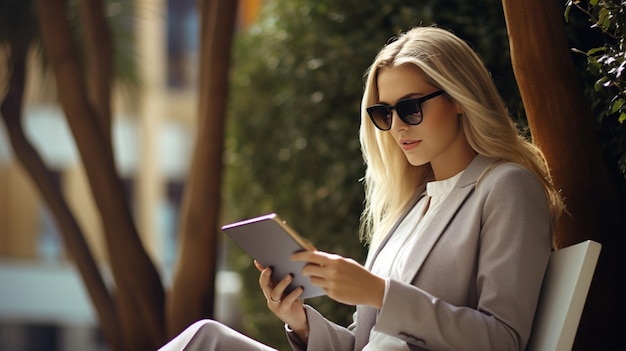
(409, 111)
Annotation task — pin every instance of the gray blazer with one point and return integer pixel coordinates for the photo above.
(475, 275)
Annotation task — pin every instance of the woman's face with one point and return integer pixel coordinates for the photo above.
(438, 139)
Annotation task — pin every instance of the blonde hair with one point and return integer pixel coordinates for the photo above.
(451, 65)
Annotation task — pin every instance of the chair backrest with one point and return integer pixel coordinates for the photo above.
(563, 296)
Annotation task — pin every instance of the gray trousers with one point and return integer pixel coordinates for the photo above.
(207, 335)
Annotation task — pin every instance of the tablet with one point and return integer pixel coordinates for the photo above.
(270, 241)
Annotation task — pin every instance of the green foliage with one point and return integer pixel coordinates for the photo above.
(606, 62)
(292, 145)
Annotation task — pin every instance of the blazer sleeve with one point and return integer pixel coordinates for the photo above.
(324, 335)
(513, 248)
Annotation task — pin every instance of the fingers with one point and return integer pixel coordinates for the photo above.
(316, 270)
(273, 292)
(319, 264)
(276, 294)
(283, 308)
(293, 296)
(290, 310)
(258, 266)
(317, 257)
(279, 289)
(265, 280)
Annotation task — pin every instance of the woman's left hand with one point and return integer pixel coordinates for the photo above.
(343, 279)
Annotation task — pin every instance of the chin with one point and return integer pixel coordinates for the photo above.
(416, 162)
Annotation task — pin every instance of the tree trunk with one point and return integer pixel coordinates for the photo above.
(99, 66)
(561, 124)
(139, 292)
(193, 291)
(74, 241)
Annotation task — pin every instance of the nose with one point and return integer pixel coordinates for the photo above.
(397, 122)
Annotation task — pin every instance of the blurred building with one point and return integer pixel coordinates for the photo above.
(43, 303)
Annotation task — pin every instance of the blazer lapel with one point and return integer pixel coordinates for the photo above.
(433, 231)
(447, 210)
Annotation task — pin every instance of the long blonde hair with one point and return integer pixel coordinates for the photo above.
(451, 65)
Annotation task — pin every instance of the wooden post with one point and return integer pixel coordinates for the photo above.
(561, 124)
(193, 291)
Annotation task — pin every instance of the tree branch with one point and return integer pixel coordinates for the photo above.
(140, 297)
(99, 62)
(73, 238)
(193, 291)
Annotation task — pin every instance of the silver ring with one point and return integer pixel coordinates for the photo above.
(275, 301)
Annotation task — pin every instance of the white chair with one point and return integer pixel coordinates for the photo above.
(563, 296)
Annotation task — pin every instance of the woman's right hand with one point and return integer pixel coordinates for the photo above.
(288, 308)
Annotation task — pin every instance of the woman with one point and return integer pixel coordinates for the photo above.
(459, 215)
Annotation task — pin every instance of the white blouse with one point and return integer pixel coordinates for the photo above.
(393, 257)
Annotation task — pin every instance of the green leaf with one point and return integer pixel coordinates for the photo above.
(622, 117)
(593, 66)
(617, 105)
(600, 83)
(604, 19)
(594, 51)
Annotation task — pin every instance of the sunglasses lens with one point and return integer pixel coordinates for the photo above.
(410, 111)
(380, 116)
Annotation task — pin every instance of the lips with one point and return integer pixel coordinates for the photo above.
(408, 144)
